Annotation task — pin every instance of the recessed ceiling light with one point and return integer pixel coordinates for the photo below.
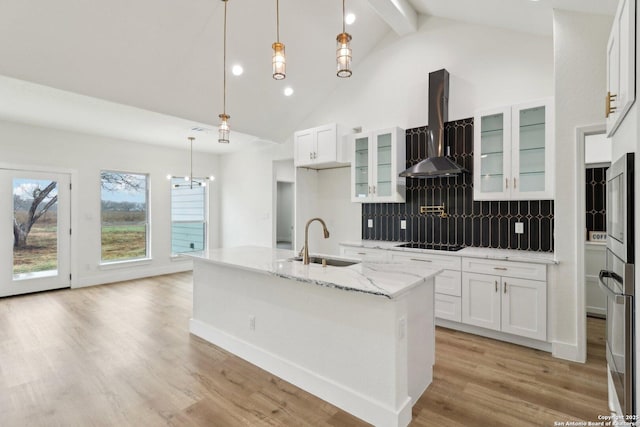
(237, 70)
(288, 91)
(350, 18)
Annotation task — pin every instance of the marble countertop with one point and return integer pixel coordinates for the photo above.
(470, 252)
(388, 279)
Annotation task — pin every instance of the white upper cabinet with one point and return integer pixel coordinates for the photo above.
(513, 152)
(318, 147)
(377, 159)
(620, 65)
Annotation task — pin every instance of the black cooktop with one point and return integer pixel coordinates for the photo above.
(433, 246)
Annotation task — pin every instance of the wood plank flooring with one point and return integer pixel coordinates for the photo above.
(122, 355)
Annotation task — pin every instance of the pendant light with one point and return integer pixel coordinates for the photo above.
(343, 50)
(223, 128)
(279, 61)
(190, 180)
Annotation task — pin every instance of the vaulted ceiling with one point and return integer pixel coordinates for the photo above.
(150, 70)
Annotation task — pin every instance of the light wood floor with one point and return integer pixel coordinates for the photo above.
(121, 355)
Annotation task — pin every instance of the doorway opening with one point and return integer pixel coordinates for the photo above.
(285, 214)
(593, 158)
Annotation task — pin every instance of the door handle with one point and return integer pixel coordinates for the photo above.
(496, 282)
(421, 260)
(505, 287)
(514, 182)
(608, 109)
(500, 268)
(506, 183)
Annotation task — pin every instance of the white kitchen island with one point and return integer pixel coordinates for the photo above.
(360, 337)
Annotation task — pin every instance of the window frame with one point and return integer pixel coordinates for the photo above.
(205, 216)
(147, 221)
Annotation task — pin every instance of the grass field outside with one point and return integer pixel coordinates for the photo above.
(123, 237)
(120, 242)
(41, 252)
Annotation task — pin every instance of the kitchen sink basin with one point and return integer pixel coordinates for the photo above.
(330, 261)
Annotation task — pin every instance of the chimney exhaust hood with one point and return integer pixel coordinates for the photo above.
(436, 164)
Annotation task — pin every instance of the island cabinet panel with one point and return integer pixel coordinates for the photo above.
(371, 355)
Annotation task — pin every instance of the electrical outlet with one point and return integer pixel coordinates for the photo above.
(519, 228)
(370, 223)
(403, 224)
(252, 323)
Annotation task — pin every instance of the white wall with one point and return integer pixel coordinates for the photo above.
(488, 67)
(247, 196)
(579, 56)
(84, 156)
(326, 194)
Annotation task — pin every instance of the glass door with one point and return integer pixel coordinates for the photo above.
(384, 178)
(360, 168)
(492, 155)
(35, 231)
(532, 151)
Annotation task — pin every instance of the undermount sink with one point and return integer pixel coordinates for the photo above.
(330, 261)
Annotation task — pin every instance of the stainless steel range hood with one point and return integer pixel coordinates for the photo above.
(436, 164)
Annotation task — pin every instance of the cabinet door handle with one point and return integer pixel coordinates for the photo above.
(369, 189)
(505, 287)
(374, 189)
(500, 268)
(506, 183)
(608, 109)
(310, 156)
(496, 282)
(362, 253)
(514, 183)
(421, 260)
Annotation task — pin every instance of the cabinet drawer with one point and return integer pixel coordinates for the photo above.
(449, 282)
(521, 270)
(364, 254)
(448, 307)
(438, 261)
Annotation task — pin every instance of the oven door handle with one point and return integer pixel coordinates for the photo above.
(619, 298)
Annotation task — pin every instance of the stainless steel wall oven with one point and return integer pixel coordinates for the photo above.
(617, 281)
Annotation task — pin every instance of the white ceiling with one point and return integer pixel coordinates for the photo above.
(151, 70)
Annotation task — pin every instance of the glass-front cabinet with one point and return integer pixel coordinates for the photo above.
(513, 152)
(378, 158)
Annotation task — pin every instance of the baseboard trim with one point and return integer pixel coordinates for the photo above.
(131, 273)
(329, 390)
(566, 351)
(496, 335)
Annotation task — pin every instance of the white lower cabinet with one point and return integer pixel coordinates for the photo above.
(447, 283)
(504, 296)
(504, 303)
(448, 307)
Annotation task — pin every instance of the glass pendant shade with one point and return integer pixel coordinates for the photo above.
(343, 55)
(223, 129)
(279, 61)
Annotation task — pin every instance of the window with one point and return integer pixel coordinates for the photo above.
(188, 216)
(125, 216)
